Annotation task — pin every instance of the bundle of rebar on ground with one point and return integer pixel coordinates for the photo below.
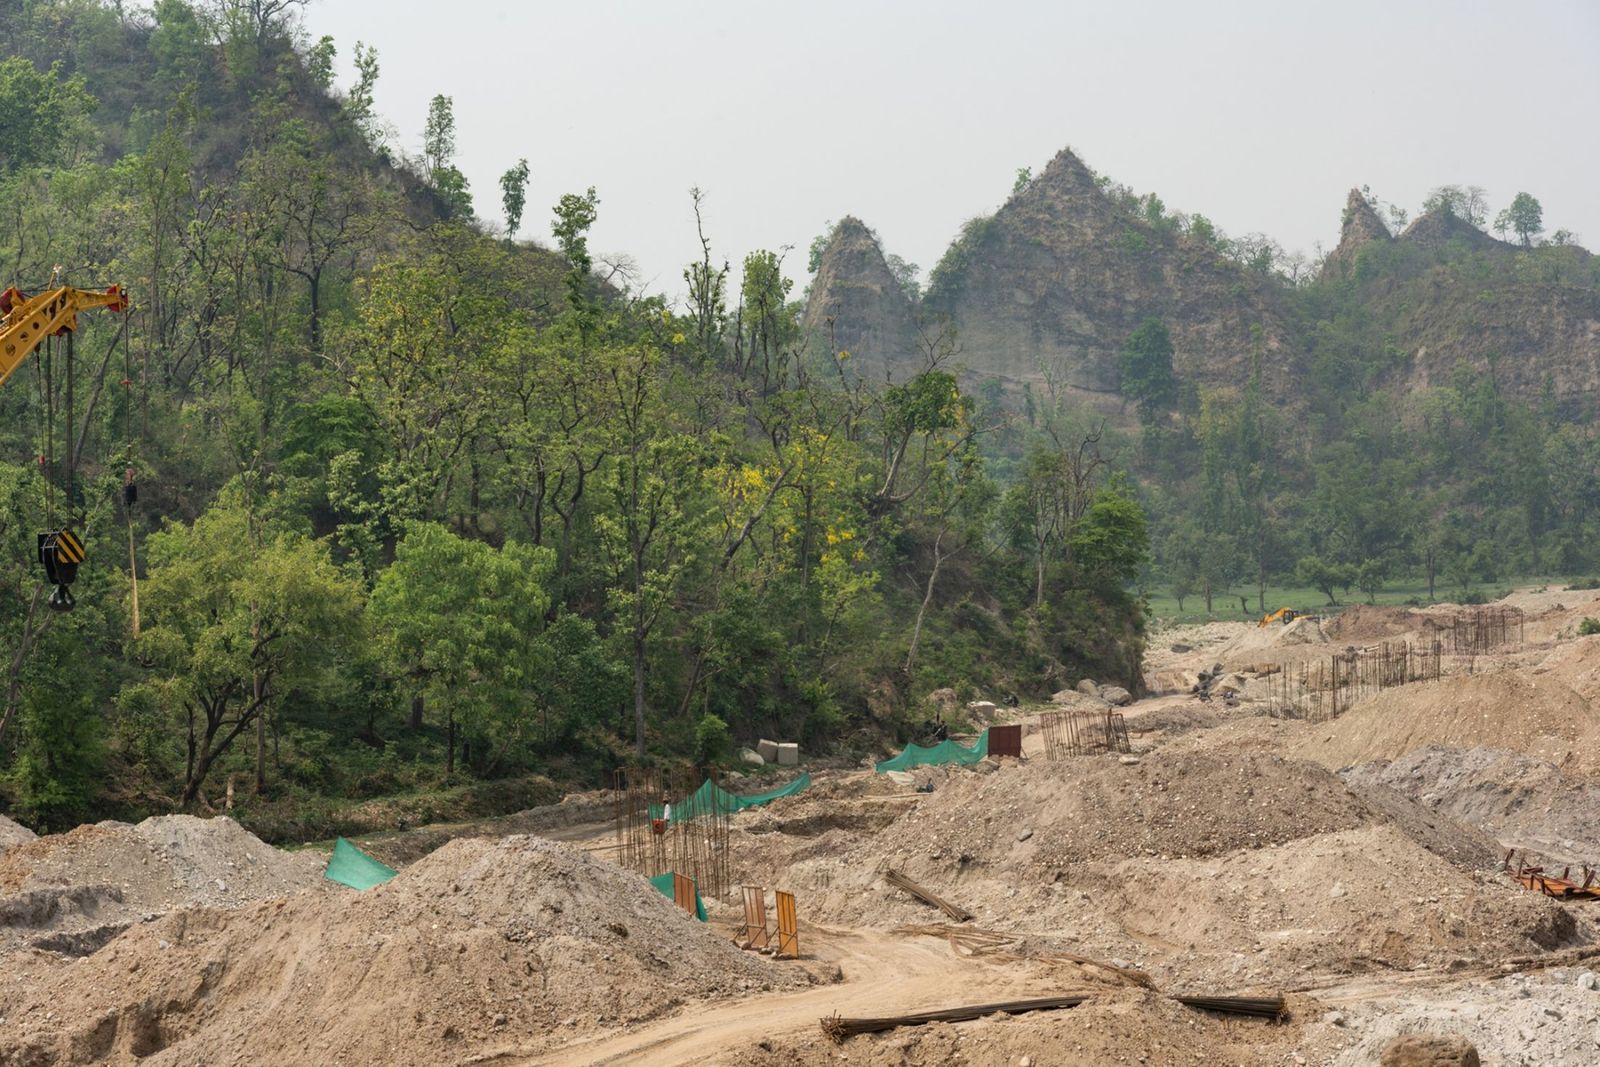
(900, 881)
(837, 1029)
(1257, 1007)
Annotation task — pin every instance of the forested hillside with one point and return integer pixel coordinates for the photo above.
(419, 504)
(1413, 407)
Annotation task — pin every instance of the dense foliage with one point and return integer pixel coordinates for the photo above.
(418, 504)
(1366, 479)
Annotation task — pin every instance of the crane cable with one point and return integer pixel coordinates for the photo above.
(130, 488)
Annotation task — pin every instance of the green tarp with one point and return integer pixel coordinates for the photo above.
(711, 797)
(350, 866)
(663, 882)
(943, 752)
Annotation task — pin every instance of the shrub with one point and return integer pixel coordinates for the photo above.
(1588, 627)
(712, 741)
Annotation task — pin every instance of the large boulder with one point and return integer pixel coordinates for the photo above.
(1116, 696)
(752, 757)
(1088, 688)
(1429, 1050)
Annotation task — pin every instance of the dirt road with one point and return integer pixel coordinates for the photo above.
(883, 974)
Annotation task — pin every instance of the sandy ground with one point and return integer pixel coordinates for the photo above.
(1352, 865)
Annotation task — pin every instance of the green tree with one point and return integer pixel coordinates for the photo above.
(461, 621)
(44, 113)
(1111, 544)
(358, 103)
(652, 528)
(239, 613)
(438, 155)
(319, 61)
(514, 195)
(1525, 216)
(1146, 365)
(1327, 578)
(574, 215)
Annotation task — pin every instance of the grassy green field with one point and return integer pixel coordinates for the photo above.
(1226, 608)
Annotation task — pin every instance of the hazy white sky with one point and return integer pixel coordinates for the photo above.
(916, 116)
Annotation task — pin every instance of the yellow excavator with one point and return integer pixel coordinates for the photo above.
(1283, 615)
(25, 322)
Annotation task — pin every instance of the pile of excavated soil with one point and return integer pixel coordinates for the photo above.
(1361, 624)
(1525, 803)
(1189, 645)
(1537, 717)
(1306, 630)
(1187, 804)
(481, 946)
(1337, 903)
(1132, 1027)
(71, 892)
(1234, 864)
(1518, 1019)
(1575, 664)
(13, 833)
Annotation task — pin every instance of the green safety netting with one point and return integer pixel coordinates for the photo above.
(943, 752)
(711, 797)
(350, 866)
(663, 882)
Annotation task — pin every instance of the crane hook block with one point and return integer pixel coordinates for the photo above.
(60, 552)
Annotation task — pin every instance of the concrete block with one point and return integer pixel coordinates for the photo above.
(788, 754)
(767, 750)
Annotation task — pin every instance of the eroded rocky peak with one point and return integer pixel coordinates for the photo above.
(1436, 228)
(1361, 227)
(857, 305)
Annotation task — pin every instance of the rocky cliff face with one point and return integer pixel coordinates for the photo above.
(1050, 289)
(857, 306)
(1361, 228)
(1449, 296)
(1435, 230)
(1062, 276)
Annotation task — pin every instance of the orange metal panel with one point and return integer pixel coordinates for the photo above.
(788, 926)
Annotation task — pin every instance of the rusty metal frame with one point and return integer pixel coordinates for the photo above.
(756, 932)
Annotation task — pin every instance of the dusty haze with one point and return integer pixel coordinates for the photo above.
(917, 116)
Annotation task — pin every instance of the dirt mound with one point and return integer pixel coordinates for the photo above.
(76, 889)
(1534, 716)
(1575, 664)
(1524, 803)
(1346, 902)
(1189, 804)
(1362, 623)
(13, 833)
(1306, 630)
(1543, 1019)
(1123, 1027)
(481, 945)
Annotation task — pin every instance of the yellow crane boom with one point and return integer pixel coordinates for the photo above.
(29, 320)
(24, 324)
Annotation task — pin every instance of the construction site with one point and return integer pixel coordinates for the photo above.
(1366, 838)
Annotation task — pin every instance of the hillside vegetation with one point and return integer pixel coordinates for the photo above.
(419, 504)
(1412, 407)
